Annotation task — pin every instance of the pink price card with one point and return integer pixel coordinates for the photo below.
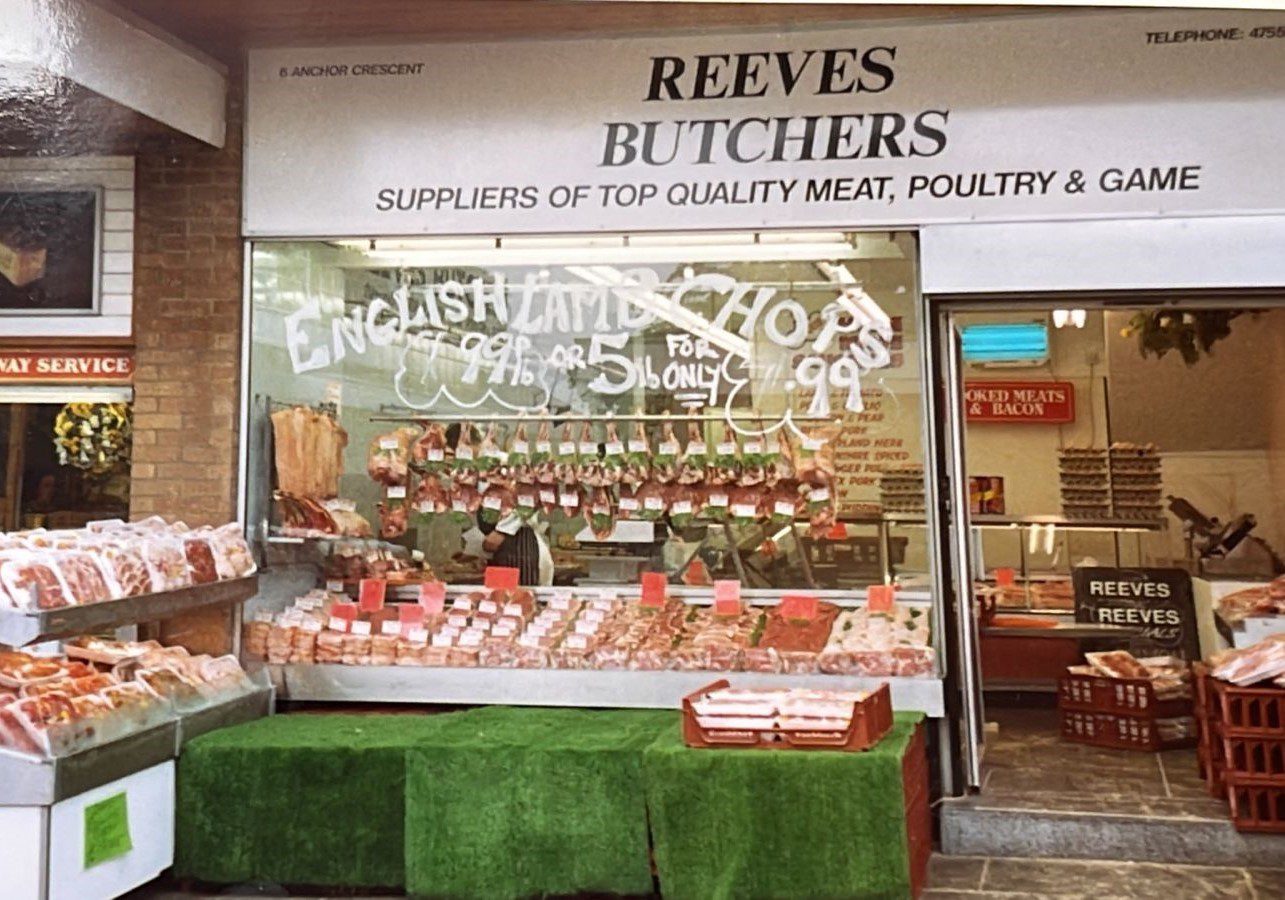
(432, 597)
(879, 598)
(727, 597)
(1005, 577)
(654, 587)
(346, 611)
(799, 607)
(410, 615)
(500, 578)
(370, 596)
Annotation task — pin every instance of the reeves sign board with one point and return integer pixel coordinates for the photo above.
(1156, 603)
(1033, 402)
(1080, 115)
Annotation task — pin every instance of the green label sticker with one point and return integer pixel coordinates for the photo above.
(106, 830)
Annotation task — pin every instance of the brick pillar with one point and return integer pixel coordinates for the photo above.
(187, 332)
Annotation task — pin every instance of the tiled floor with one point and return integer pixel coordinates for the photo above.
(971, 877)
(1028, 766)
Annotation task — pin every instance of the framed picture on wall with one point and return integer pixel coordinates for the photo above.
(49, 250)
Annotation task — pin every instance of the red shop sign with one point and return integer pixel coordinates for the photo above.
(81, 366)
(1033, 402)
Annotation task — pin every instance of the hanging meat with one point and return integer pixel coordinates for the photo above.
(637, 457)
(589, 471)
(664, 465)
(464, 468)
(428, 453)
(520, 467)
(753, 462)
(490, 458)
(815, 459)
(779, 463)
(388, 459)
(652, 502)
(567, 461)
(691, 464)
(628, 506)
(392, 520)
(782, 503)
(714, 503)
(528, 501)
(570, 501)
(497, 503)
(601, 520)
(724, 466)
(465, 501)
(543, 465)
(682, 501)
(431, 498)
(743, 503)
(308, 449)
(613, 457)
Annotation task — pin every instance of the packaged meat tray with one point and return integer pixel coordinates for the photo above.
(717, 716)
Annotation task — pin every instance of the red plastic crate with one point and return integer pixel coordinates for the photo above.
(1130, 696)
(1256, 807)
(919, 828)
(1117, 731)
(1249, 711)
(1255, 758)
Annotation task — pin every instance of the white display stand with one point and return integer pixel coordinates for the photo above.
(42, 848)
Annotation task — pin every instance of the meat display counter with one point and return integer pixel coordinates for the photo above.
(591, 647)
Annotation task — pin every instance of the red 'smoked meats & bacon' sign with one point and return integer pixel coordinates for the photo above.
(1032, 402)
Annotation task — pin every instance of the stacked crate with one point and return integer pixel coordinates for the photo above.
(1242, 751)
(901, 490)
(1085, 480)
(1135, 482)
(1121, 713)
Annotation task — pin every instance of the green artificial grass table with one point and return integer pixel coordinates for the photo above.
(515, 802)
(778, 823)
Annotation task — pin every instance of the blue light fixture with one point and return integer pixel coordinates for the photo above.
(1005, 342)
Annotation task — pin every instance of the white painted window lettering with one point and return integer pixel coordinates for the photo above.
(514, 343)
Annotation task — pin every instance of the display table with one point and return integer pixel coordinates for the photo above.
(511, 802)
(773, 823)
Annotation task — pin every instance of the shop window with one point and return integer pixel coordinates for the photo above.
(747, 344)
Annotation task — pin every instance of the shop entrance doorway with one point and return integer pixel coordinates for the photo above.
(1116, 467)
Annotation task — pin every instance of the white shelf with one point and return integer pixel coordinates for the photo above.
(560, 687)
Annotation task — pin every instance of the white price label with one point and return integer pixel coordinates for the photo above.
(744, 510)
(637, 446)
(361, 628)
(566, 499)
(537, 628)
(310, 625)
(459, 506)
(417, 636)
(548, 496)
(681, 507)
(335, 586)
(543, 446)
(471, 639)
(526, 501)
(783, 508)
(436, 454)
(529, 640)
(812, 445)
(615, 448)
(753, 447)
(443, 639)
(388, 444)
(513, 609)
(669, 448)
(462, 603)
(397, 492)
(594, 614)
(576, 642)
(560, 601)
(819, 495)
(629, 504)
(584, 626)
(417, 555)
(567, 448)
(490, 607)
(337, 624)
(482, 485)
(727, 448)
(263, 615)
(718, 500)
(654, 503)
(391, 628)
(491, 502)
(457, 621)
(521, 447)
(588, 448)
(696, 448)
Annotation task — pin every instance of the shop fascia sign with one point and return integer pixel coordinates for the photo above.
(1020, 402)
(507, 344)
(80, 366)
(1067, 116)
